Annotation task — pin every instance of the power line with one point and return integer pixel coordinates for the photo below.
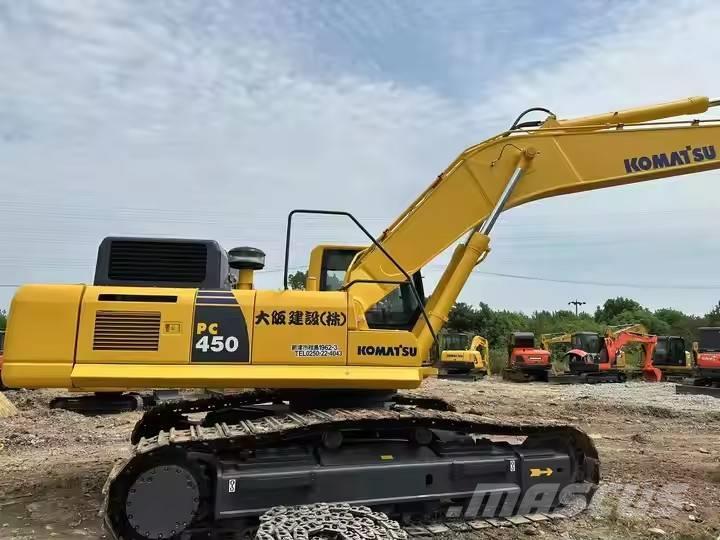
(527, 278)
(602, 283)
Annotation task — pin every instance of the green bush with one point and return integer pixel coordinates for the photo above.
(498, 360)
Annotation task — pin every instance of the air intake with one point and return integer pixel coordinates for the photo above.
(126, 331)
(151, 262)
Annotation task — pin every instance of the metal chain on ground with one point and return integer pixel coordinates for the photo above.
(322, 521)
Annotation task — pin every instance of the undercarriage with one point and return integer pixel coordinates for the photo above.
(705, 377)
(220, 463)
(461, 372)
(705, 381)
(589, 377)
(526, 374)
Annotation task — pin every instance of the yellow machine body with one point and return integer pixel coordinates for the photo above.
(475, 357)
(90, 337)
(67, 337)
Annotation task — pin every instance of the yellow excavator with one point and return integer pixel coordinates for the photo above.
(473, 361)
(547, 341)
(325, 422)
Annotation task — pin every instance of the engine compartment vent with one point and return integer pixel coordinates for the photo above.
(157, 261)
(162, 262)
(126, 331)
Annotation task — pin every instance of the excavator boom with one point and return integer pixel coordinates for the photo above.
(520, 166)
(548, 340)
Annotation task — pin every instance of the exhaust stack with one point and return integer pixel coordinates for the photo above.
(246, 260)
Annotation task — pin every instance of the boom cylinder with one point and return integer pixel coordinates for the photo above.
(691, 105)
(463, 261)
(444, 297)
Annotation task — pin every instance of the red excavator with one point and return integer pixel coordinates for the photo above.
(593, 359)
(707, 357)
(526, 362)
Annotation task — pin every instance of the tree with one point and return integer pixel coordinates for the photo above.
(614, 307)
(653, 324)
(462, 318)
(297, 280)
(503, 323)
(680, 324)
(496, 325)
(671, 316)
(712, 318)
(3, 319)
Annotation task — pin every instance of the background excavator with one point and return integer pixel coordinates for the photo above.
(672, 358)
(547, 341)
(705, 374)
(526, 362)
(706, 354)
(593, 358)
(550, 343)
(184, 314)
(464, 355)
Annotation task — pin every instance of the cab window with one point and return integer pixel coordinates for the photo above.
(398, 310)
(334, 267)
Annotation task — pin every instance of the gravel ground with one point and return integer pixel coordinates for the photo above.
(660, 459)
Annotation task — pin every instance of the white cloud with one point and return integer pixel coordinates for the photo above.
(213, 120)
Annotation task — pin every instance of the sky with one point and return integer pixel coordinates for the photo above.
(215, 118)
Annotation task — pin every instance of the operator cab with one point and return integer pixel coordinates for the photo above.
(592, 345)
(520, 340)
(454, 341)
(399, 310)
(589, 342)
(669, 351)
(709, 341)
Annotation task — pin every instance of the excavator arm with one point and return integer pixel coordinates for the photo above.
(519, 166)
(635, 334)
(547, 340)
(481, 345)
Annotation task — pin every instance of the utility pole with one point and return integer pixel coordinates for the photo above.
(577, 303)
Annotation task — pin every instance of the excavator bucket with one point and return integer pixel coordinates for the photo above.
(652, 374)
(6, 407)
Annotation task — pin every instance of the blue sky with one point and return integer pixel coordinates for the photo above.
(213, 119)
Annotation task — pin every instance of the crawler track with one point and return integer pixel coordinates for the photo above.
(691, 389)
(360, 523)
(220, 473)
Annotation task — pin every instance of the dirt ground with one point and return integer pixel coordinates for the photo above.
(660, 459)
